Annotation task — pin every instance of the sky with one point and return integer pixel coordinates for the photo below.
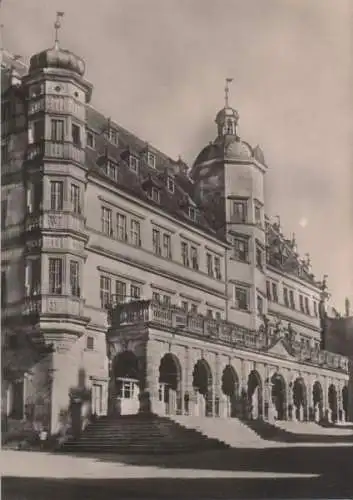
(158, 69)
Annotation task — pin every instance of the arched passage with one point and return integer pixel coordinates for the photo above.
(332, 402)
(278, 395)
(345, 402)
(255, 395)
(202, 383)
(318, 401)
(126, 371)
(170, 383)
(230, 388)
(299, 399)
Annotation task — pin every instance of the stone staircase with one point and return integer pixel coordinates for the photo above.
(233, 432)
(312, 428)
(141, 434)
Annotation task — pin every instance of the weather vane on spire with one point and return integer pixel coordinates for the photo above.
(57, 26)
(226, 90)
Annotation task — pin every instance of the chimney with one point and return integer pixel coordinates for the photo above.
(347, 307)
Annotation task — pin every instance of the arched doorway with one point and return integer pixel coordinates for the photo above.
(230, 389)
(254, 395)
(170, 384)
(318, 402)
(345, 402)
(332, 402)
(202, 383)
(300, 400)
(278, 396)
(127, 376)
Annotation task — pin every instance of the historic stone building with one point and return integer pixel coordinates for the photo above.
(131, 282)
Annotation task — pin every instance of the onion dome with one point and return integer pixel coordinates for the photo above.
(57, 58)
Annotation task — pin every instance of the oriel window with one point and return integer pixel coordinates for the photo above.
(56, 195)
(55, 276)
(57, 130)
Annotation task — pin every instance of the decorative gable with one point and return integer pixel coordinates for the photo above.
(279, 349)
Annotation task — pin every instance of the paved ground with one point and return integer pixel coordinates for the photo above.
(291, 472)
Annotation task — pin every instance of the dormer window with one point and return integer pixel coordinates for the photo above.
(193, 213)
(112, 170)
(133, 163)
(155, 195)
(151, 160)
(170, 185)
(90, 139)
(112, 135)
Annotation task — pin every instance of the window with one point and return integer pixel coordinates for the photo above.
(193, 213)
(135, 233)
(156, 240)
(194, 258)
(184, 306)
(230, 128)
(3, 288)
(121, 233)
(260, 305)
(218, 316)
(239, 211)
(151, 160)
(258, 218)
(89, 343)
(185, 254)
(112, 170)
(4, 206)
(209, 264)
(209, 314)
(57, 130)
(285, 297)
(75, 278)
(274, 292)
(155, 195)
(55, 276)
(33, 197)
(135, 292)
(90, 139)
(193, 309)
(167, 246)
(170, 184)
(56, 195)
(112, 135)
(166, 301)
(76, 135)
(105, 291)
(32, 277)
(75, 196)
(258, 257)
(107, 221)
(301, 303)
(133, 163)
(241, 250)
(156, 297)
(217, 268)
(241, 297)
(35, 132)
(315, 308)
(120, 291)
(291, 299)
(306, 302)
(268, 290)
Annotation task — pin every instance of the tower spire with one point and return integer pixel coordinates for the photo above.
(57, 26)
(226, 92)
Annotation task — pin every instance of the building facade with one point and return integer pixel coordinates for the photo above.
(131, 282)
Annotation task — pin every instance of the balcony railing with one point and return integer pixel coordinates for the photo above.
(220, 331)
(53, 304)
(56, 220)
(56, 150)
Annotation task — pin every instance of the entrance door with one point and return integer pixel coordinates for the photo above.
(128, 396)
(97, 399)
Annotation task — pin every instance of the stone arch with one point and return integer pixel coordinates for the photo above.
(170, 374)
(127, 375)
(345, 401)
(318, 401)
(333, 402)
(279, 395)
(254, 393)
(202, 383)
(230, 389)
(300, 400)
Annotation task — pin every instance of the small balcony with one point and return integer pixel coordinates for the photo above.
(55, 150)
(146, 312)
(55, 220)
